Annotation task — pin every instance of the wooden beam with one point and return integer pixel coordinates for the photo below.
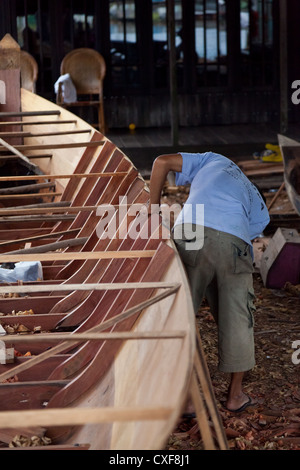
(59, 146)
(14, 150)
(41, 205)
(14, 157)
(79, 416)
(54, 210)
(172, 72)
(26, 289)
(107, 174)
(36, 123)
(5, 258)
(50, 246)
(39, 237)
(42, 134)
(30, 113)
(26, 188)
(29, 195)
(37, 218)
(276, 196)
(120, 335)
(283, 57)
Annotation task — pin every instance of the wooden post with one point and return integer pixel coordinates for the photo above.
(10, 87)
(283, 68)
(173, 74)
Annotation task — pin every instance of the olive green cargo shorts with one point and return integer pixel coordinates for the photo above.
(221, 271)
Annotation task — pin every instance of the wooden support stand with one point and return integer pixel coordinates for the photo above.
(202, 395)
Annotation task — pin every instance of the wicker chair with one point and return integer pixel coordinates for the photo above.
(87, 70)
(29, 71)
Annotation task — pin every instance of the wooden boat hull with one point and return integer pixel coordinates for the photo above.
(110, 392)
(291, 156)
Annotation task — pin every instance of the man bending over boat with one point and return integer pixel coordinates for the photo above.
(222, 215)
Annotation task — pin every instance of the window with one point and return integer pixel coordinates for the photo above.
(211, 42)
(160, 40)
(78, 25)
(257, 42)
(33, 36)
(125, 63)
(217, 44)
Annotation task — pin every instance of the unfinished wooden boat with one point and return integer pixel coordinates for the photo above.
(106, 359)
(291, 156)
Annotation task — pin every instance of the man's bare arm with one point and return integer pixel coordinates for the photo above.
(161, 167)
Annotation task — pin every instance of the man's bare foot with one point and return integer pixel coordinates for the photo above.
(239, 403)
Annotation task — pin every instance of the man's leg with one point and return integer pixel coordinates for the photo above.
(236, 308)
(236, 398)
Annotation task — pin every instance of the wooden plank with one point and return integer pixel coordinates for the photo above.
(5, 235)
(26, 188)
(265, 171)
(39, 237)
(51, 246)
(14, 150)
(205, 387)
(58, 146)
(57, 210)
(87, 286)
(36, 123)
(83, 165)
(15, 157)
(80, 337)
(110, 305)
(78, 416)
(29, 195)
(45, 205)
(103, 192)
(36, 218)
(201, 414)
(42, 134)
(107, 174)
(30, 113)
(272, 202)
(93, 271)
(5, 258)
(41, 371)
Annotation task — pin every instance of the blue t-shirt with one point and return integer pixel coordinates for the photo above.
(232, 204)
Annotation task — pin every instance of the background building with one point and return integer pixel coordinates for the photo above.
(235, 62)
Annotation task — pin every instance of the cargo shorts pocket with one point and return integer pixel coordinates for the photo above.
(251, 307)
(242, 259)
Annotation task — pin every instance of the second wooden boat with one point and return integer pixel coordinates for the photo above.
(291, 156)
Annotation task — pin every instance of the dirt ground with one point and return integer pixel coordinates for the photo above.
(274, 423)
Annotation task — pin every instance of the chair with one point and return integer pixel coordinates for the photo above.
(87, 70)
(29, 71)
